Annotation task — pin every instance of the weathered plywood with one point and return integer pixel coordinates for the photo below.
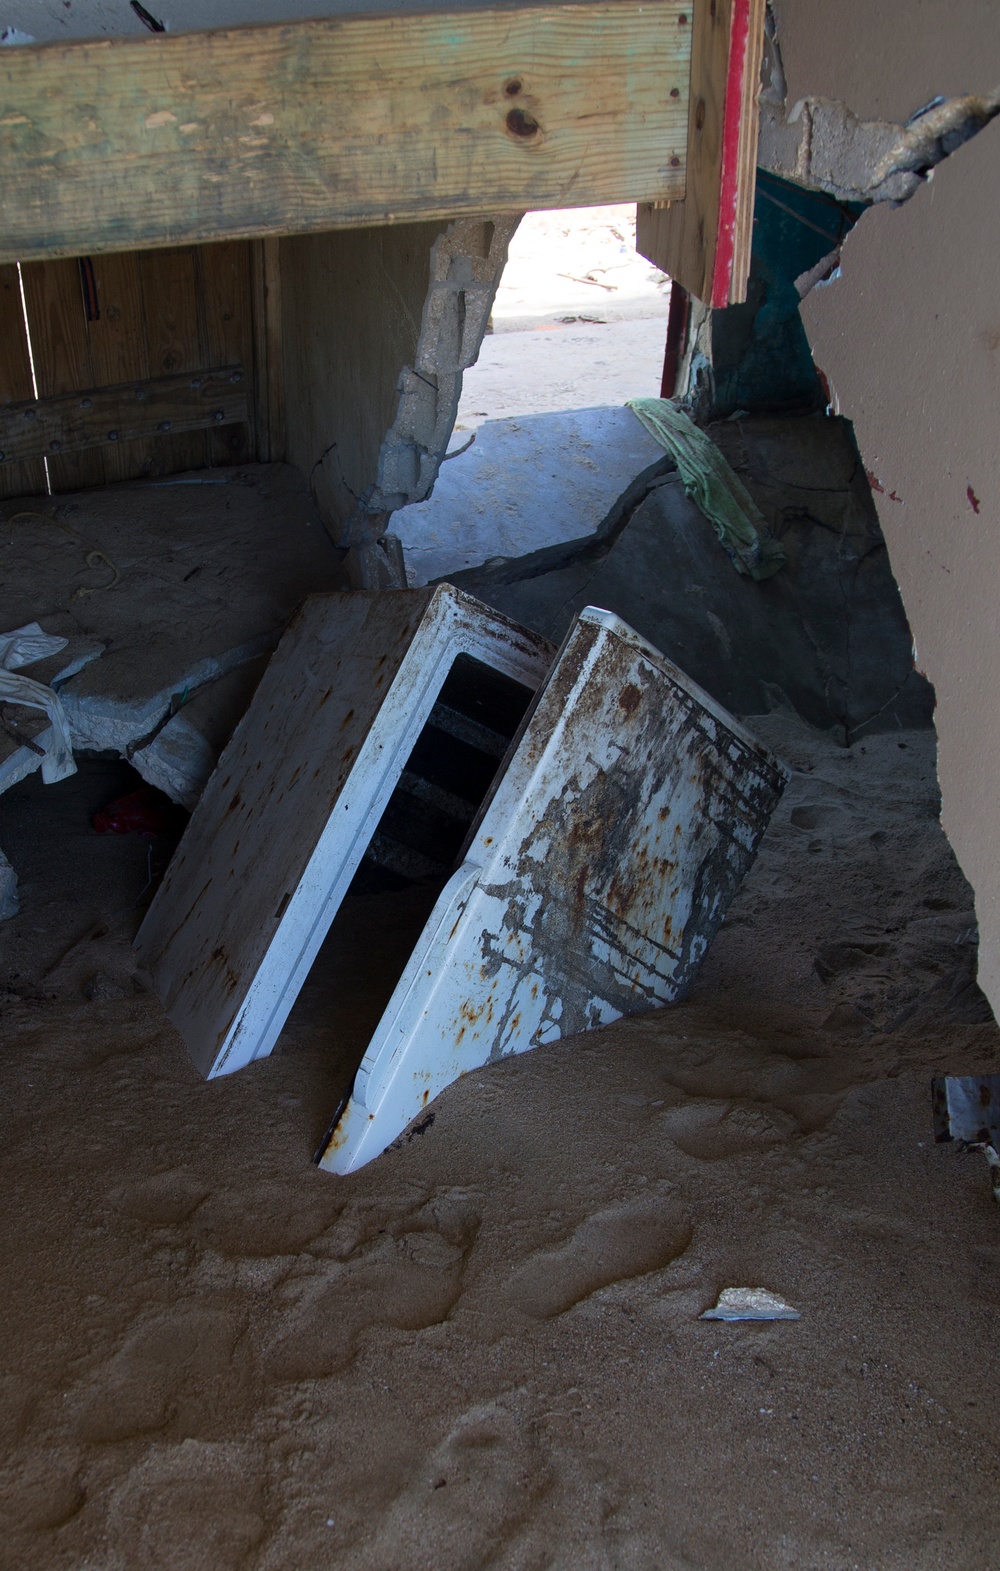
(226, 332)
(124, 143)
(111, 417)
(63, 360)
(15, 380)
(170, 282)
(295, 800)
(704, 241)
(119, 351)
(124, 325)
(742, 129)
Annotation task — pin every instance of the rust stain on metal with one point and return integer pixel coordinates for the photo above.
(629, 698)
(620, 828)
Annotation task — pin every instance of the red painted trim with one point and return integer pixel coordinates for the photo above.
(725, 246)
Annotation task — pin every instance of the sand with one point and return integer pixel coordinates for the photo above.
(484, 1349)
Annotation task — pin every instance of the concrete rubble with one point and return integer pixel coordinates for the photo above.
(821, 143)
(466, 265)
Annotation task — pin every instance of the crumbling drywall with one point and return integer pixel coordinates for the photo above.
(467, 262)
(909, 338)
(378, 326)
(824, 144)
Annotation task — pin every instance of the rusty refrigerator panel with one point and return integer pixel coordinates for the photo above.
(626, 818)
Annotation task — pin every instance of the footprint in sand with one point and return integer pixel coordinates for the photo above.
(41, 1491)
(611, 1246)
(815, 815)
(163, 1199)
(285, 1217)
(170, 1370)
(188, 1507)
(714, 1130)
(407, 1275)
(474, 1496)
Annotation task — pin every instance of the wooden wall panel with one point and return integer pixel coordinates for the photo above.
(63, 359)
(170, 293)
(15, 381)
(226, 326)
(268, 358)
(129, 317)
(120, 351)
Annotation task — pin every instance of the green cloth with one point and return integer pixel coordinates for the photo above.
(712, 486)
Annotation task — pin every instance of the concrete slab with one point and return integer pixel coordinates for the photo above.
(524, 484)
(827, 636)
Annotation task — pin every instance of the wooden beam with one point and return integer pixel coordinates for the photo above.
(106, 416)
(704, 241)
(117, 144)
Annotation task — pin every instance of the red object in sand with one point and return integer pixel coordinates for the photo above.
(145, 812)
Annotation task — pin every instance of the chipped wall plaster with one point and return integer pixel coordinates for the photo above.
(467, 262)
(909, 338)
(824, 144)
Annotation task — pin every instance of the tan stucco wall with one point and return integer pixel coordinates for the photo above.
(909, 337)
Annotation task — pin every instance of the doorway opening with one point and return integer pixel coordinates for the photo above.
(543, 443)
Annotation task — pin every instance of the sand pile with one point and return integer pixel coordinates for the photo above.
(483, 1350)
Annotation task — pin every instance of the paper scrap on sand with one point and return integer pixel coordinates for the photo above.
(750, 1303)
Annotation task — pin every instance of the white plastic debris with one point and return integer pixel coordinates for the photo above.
(26, 644)
(750, 1303)
(14, 35)
(55, 739)
(992, 1161)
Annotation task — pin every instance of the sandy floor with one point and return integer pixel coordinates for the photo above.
(483, 1350)
(578, 264)
(580, 319)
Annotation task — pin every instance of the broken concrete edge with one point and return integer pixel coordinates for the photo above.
(10, 905)
(514, 569)
(467, 263)
(378, 564)
(824, 145)
(820, 144)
